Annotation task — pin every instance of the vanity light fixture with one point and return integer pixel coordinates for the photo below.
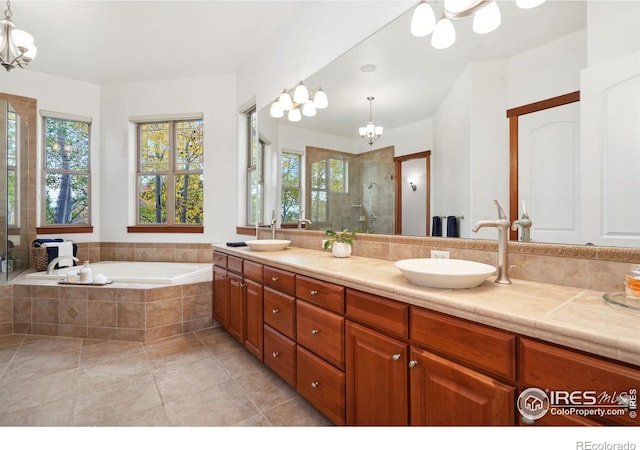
(413, 185)
(486, 18)
(370, 132)
(16, 46)
(299, 102)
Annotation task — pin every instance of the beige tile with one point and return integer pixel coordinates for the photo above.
(100, 352)
(19, 394)
(266, 389)
(102, 314)
(45, 310)
(163, 312)
(57, 413)
(177, 380)
(297, 413)
(131, 315)
(240, 363)
(220, 343)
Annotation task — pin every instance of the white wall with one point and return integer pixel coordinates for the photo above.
(212, 96)
(66, 96)
(613, 30)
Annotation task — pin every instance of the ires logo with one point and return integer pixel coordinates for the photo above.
(535, 403)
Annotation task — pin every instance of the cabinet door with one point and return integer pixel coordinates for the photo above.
(377, 386)
(235, 314)
(253, 315)
(446, 393)
(220, 296)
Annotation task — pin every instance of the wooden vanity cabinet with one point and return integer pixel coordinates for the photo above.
(220, 296)
(235, 307)
(280, 354)
(253, 304)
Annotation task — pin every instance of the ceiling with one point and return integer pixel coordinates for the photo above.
(106, 42)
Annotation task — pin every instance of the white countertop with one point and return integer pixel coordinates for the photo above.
(574, 317)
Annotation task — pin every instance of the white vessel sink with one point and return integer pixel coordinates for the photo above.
(268, 245)
(445, 273)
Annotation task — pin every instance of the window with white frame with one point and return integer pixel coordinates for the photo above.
(291, 191)
(255, 171)
(170, 160)
(12, 168)
(66, 174)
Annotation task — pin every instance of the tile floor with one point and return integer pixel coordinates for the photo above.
(205, 378)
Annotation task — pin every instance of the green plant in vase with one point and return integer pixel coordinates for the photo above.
(340, 242)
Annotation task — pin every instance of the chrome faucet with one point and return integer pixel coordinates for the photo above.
(502, 224)
(273, 224)
(301, 221)
(524, 223)
(56, 260)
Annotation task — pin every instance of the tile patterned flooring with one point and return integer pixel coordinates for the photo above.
(204, 378)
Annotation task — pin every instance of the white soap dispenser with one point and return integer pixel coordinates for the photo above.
(86, 273)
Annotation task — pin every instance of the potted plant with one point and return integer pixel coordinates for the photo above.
(340, 242)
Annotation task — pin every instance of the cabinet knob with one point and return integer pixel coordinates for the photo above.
(275, 311)
(315, 331)
(275, 354)
(314, 384)
(313, 292)
(396, 356)
(242, 284)
(413, 363)
(274, 278)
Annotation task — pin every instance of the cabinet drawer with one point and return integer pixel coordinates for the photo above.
(280, 312)
(280, 280)
(480, 346)
(280, 354)
(546, 366)
(320, 331)
(253, 271)
(321, 293)
(220, 259)
(386, 315)
(234, 263)
(321, 384)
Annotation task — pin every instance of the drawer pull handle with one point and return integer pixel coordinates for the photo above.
(313, 292)
(314, 384)
(396, 356)
(275, 311)
(275, 354)
(315, 331)
(274, 278)
(413, 363)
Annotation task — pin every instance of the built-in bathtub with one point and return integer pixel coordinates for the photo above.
(138, 272)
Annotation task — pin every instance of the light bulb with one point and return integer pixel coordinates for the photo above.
(301, 94)
(444, 35)
(285, 101)
(362, 131)
(528, 4)
(458, 6)
(22, 39)
(320, 99)
(487, 19)
(378, 131)
(294, 115)
(309, 109)
(276, 110)
(423, 21)
(370, 129)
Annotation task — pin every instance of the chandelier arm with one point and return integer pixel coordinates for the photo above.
(478, 4)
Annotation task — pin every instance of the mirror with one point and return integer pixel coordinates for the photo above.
(452, 102)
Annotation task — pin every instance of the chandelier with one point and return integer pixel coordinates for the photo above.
(16, 46)
(299, 102)
(486, 18)
(370, 132)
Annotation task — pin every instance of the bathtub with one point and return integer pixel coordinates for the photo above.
(139, 272)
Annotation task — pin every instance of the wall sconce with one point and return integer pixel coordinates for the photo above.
(412, 183)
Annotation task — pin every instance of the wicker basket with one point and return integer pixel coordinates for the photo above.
(40, 258)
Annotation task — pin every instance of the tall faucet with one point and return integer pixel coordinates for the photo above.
(56, 260)
(502, 224)
(273, 224)
(524, 224)
(301, 221)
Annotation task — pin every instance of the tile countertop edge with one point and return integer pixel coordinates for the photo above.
(454, 302)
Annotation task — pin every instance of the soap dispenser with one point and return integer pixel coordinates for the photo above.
(632, 282)
(86, 273)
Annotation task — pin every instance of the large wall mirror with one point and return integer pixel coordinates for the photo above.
(451, 102)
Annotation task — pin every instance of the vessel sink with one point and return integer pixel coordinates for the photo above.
(268, 245)
(445, 273)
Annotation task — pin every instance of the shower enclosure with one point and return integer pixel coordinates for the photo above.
(17, 178)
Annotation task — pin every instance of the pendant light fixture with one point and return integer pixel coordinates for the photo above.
(370, 132)
(486, 18)
(299, 102)
(16, 46)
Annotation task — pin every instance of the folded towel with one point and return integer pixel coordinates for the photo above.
(64, 248)
(436, 228)
(39, 242)
(452, 226)
(236, 244)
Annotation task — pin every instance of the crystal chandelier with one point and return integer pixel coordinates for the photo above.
(486, 18)
(16, 46)
(370, 132)
(299, 102)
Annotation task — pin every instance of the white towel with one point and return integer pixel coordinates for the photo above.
(64, 249)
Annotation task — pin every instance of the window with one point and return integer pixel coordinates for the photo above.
(328, 175)
(255, 176)
(169, 174)
(12, 168)
(66, 170)
(291, 189)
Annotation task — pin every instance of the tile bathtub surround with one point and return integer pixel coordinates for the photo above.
(203, 378)
(140, 313)
(587, 267)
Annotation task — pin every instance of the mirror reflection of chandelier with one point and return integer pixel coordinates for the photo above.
(486, 18)
(370, 132)
(299, 102)
(16, 46)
